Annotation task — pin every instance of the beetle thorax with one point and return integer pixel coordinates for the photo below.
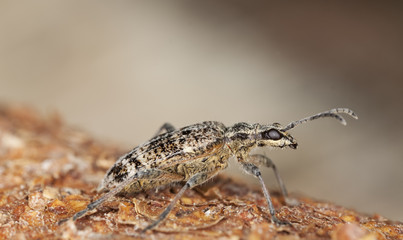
(241, 138)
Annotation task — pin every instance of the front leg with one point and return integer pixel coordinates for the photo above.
(262, 160)
(254, 170)
(259, 159)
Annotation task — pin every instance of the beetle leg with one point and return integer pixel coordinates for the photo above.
(167, 127)
(259, 159)
(254, 170)
(145, 174)
(195, 180)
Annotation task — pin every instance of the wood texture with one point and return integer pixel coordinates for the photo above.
(48, 171)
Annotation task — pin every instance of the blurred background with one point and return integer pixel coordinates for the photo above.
(120, 69)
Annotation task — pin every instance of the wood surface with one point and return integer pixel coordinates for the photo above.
(49, 171)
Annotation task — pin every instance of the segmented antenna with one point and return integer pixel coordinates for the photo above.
(331, 113)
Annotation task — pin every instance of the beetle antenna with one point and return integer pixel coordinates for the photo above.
(331, 113)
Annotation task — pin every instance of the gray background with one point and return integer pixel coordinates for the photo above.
(121, 69)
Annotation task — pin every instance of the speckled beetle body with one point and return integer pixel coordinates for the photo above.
(177, 154)
(195, 154)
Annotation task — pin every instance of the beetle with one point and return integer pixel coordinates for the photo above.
(195, 154)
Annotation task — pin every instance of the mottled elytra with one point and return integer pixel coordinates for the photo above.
(196, 153)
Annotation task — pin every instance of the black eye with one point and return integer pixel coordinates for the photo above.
(272, 134)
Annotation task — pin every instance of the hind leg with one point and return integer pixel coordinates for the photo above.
(149, 174)
(167, 127)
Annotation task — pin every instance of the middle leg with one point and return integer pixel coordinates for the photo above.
(195, 180)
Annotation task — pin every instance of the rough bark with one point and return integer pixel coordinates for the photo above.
(48, 172)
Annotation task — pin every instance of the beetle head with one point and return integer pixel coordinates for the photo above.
(275, 135)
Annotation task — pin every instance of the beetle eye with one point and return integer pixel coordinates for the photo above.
(272, 134)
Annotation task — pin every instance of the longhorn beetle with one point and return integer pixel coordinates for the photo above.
(196, 153)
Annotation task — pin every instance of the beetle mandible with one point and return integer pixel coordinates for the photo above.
(195, 154)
